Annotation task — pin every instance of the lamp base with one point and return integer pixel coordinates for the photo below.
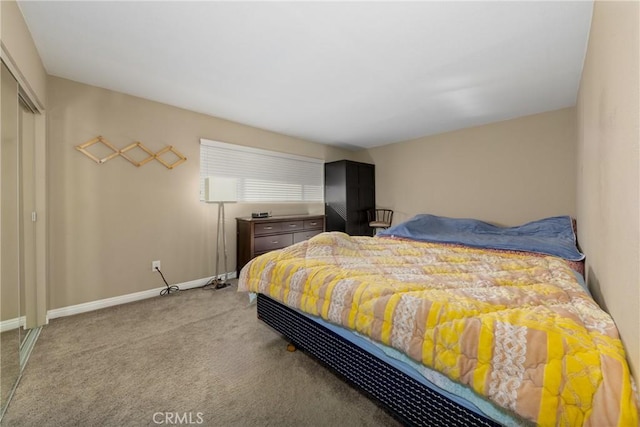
(215, 284)
(222, 285)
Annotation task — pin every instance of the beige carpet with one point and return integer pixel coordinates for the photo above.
(198, 357)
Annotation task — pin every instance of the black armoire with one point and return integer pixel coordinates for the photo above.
(349, 192)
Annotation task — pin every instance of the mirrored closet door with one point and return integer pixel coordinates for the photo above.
(17, 235)
(9, 239)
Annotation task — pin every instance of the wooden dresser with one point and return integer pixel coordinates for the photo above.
(260, 235)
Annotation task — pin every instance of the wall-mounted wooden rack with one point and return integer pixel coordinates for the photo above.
(84, 149)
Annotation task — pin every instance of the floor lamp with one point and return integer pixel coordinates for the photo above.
(220, 190)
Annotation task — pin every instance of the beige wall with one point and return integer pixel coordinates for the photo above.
(21, 55)
(508, 172)
(608, 207)
(109, 221)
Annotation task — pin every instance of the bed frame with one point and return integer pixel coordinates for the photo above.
(409, 401)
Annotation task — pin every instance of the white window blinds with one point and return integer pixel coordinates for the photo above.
(262, 175)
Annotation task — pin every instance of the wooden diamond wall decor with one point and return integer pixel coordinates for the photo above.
(165, 150)
(150, 154)
(84, 149)
(98, 139)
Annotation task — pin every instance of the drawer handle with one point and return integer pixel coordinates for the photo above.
(313, 223)
(293, 225)
(268, 228)
(275, 241)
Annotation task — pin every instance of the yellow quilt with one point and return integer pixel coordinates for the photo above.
(515, 328)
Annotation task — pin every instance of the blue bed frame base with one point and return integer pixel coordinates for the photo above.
(409, 401)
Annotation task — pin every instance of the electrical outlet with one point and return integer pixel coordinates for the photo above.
(154, 265)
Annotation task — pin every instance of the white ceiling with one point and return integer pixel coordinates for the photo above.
(352, 74)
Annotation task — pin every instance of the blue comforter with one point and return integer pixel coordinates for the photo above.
(551, 236)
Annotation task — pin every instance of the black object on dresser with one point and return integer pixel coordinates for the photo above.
(257, 236)
(349, 192)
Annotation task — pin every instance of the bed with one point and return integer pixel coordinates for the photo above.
(449, 321)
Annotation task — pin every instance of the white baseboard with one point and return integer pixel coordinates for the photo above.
(9, 324)
(123, 299)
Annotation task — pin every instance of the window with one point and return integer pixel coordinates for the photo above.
(263, 175)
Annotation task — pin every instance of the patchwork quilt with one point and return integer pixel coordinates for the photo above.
(516, 329)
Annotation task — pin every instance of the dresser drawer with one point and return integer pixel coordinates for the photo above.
(313, 223)
(269, 243)
(304, 235)
(268, 227)
(292, 226)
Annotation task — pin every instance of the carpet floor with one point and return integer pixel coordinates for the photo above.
(197, 357)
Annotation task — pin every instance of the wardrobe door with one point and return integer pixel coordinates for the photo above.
(335, 196)
(366, 196)
(353, 203)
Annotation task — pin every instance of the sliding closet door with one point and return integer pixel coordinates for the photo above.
(27, 209)
(9, 238)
